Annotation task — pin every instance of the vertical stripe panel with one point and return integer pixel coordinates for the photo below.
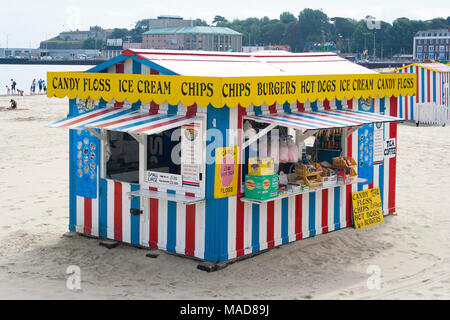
(190, 230)
(162, 224)
(312, 214)
(284, 221)
(126, 215)
(298, 216)
(103, 212)
(255, 227)
(232, 225)
(171, 226)
(180, 227)
(337, 208)
(135, 219)
(263, 226)
(200, 230)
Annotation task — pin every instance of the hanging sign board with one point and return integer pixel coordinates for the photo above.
(227, 171)
(191, 153)
(390, 149)
(378, 143)
(367, 208)
(218, 91)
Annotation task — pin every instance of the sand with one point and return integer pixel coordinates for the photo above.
(411, 249)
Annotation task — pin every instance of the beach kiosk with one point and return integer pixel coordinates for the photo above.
(217, 155)
(432, 99)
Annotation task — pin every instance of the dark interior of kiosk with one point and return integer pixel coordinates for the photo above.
(123, 155)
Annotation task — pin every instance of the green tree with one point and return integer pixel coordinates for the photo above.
(200, 22)
(119, 33)
(314, 26)
(218, 19)
(92, 44)
(287, 17)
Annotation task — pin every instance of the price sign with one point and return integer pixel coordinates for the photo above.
(367, 208)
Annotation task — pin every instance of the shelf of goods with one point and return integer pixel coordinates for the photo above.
(313, 189)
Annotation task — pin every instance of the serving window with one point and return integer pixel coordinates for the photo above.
(122, 157)
(175, 159)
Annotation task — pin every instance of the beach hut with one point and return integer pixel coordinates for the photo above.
(161, 141)
(432, 99)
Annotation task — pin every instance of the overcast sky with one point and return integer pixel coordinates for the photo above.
(25, 23)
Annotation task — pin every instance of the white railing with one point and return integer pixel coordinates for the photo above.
(430, 113)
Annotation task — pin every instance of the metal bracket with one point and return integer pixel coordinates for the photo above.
(138, 137)
(98, 135)
(260, 134)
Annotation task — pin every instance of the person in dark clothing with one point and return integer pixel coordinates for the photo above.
(13, 86)
(13, 105)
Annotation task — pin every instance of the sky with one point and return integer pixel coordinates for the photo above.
(23, 24)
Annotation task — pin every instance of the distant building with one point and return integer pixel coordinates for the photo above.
(132, 45)
(278, 47)
(250, 49)
(113, 48)
(49, 54)
(320, 47)
(193, 38)
(168, 21)
(432, 45)
(93, 33)
(24, 53)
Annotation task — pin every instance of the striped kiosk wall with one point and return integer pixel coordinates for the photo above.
(224, 229)
(432, 87)
(109, 215)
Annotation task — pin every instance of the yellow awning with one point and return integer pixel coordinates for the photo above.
(230, 92)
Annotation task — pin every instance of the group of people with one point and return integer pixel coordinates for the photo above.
(34, 85)
(13, 89)
(41, 84)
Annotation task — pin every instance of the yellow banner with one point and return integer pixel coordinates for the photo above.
(230, 92)
(367, 208)
(227, 171)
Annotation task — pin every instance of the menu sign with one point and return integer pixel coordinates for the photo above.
(378, 143)
(191, 153)
(166, 179)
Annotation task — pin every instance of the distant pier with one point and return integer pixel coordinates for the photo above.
(51, 62)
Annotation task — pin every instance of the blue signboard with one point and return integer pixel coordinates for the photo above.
(86, 157)
(365, 143)
(85, 153)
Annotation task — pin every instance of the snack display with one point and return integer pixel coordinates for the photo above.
(309, 172)
(261, 187)
(348, 164)
(261, 166)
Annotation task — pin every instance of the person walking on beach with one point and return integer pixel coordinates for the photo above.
(40, 85)
(13, 86)
(44, 86)
(33, 86)
(8, 90)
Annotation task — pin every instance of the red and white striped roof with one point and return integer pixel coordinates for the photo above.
(236, 64)
(330, 119)
(125, 120)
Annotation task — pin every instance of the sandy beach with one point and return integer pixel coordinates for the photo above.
(411, 249)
